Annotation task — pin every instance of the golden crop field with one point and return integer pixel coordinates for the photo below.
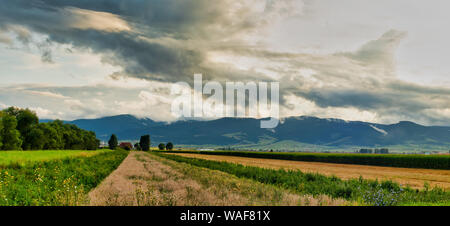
(415, 178)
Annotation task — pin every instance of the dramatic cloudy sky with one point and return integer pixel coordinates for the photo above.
(379, 61)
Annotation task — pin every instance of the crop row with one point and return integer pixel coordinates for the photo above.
(367, 192)
(58, 182)
(406, 161)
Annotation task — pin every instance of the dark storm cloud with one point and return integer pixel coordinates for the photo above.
(153, 48)
(169, 41)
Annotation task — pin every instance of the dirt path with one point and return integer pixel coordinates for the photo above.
(145, 179)
(416, 178)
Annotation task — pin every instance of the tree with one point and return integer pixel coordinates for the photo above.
(10, 135)
(73, 137)
(13, 111)
(162, 146)
(26, 121)
(113, 142)
(53, 138)
(169, 146)
(90, 140)
(137, 146)
(20, 129)
(145, 142)
(35, 139)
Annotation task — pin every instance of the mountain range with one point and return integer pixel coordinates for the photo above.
(246, 131)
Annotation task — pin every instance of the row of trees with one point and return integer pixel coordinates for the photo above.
(168, 146)
(143, 144)
(20, 130)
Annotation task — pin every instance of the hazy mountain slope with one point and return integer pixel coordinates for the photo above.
(232, 131)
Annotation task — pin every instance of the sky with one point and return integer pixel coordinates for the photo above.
(378, 61)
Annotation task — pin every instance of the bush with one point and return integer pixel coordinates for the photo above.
(162, 146)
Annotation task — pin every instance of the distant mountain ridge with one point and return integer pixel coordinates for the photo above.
(243, 131)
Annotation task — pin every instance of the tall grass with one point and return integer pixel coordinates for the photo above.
(370, 192)
(56, 182)
(30, 157)
(406, 161)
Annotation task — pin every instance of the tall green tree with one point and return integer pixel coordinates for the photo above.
(35, 139)
(145, 142)
(12, 111)
(10, 135)
(113, 142)
(90, 140)
(53, 138)
(27, 120)
(20, 129)
(169, 146)
(161, 146)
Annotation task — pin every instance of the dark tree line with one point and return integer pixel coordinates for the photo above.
(168, 146)
(143, 144)
(20, 130)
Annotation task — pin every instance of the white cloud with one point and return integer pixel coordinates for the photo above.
(47, 94)
(43, 113)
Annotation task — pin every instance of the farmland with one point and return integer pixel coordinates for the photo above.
(192, 178)
(30, 157)
(415, 178)
(147, 179)
(362, 191)
(405, 161)
(49, 179)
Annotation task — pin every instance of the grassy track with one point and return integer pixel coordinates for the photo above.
(63, 181)
(29, 157)
(368, 192)
(144, 179)
(405, 161)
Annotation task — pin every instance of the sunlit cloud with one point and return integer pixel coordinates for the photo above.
(88, 59)
(88, 19)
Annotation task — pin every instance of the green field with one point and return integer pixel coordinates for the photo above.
(405, 161)
(24, 157)
(47, 178)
